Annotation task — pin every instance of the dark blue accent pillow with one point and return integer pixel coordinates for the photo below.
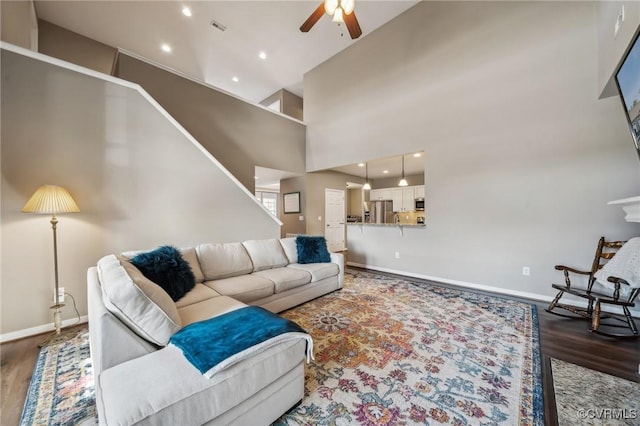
(166, 267)
(312, 249)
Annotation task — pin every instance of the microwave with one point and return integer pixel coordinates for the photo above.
(419, 206)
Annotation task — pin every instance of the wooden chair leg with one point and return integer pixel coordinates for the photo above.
(554, 302)
(595, 320)
(590, 308)
(632, 323)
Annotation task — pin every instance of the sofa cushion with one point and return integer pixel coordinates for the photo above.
(188, 254)
(318, 271)
(137, 301)
(265, 254)
(290, 249)
(245, 288)
(312, 249)
(199, 293)
(166, 267)
(223, 260)
(208, 308)
(285, 278)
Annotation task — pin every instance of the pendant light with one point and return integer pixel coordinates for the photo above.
(367, 185)
(403, 181)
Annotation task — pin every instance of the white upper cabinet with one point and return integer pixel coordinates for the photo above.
(381, 194)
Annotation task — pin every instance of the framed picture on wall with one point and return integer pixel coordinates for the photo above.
(291, 202)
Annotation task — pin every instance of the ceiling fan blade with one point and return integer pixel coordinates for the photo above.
(311, 20)
(352, 25)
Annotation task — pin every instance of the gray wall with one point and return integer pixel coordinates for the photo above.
(240, 135)
(290, 104)
(291, 222)
(72, 47)
(521, 157)
(138, 180)
(18, 24)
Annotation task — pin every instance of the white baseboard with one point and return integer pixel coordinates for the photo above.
(498, 290)
(14, 335)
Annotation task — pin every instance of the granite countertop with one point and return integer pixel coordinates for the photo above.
(403, 225)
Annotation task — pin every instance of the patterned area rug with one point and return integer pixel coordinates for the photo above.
(389, 351)
(588, 397)
(61, 390)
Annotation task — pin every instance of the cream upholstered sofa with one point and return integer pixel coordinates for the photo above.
(141, 379)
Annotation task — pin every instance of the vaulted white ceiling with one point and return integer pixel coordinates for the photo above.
(207, 54)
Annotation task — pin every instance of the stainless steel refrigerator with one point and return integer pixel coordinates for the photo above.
(380, 211)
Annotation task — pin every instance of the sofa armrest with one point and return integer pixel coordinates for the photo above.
(111, 342)
(338, 258)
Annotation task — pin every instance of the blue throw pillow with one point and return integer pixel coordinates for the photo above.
(312, 249)
(166, 267)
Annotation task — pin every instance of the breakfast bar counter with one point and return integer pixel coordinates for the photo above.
(403, 225)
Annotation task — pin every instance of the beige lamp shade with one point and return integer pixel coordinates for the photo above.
(51, 199)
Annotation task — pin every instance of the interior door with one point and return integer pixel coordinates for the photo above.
(334, 216)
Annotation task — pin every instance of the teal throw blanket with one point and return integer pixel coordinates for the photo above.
(220, 342)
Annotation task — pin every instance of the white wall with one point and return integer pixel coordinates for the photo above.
(138, 180)
(521, 156)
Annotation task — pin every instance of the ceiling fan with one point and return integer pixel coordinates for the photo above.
(341, 10)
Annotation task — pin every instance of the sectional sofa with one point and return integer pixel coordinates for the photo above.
(141, 379)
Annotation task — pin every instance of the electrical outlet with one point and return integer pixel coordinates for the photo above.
(301, 218)
(397, 255)
(60, 295)
(525, 271)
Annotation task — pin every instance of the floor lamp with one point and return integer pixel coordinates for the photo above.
(52, 199)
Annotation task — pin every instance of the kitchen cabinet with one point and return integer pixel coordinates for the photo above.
(381, 194)
(397, 199)
(404, 199)
(408, 199)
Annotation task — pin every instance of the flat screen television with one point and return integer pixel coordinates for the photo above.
(628, 82)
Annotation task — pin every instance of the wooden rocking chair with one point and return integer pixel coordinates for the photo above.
(595, 298)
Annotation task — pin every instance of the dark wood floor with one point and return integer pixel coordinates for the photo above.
(560, 338)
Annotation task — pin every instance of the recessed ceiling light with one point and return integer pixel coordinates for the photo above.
(235, 79)
(385, 171)
(186, 11)
(166, 48)
(262, 55)
(360, 164)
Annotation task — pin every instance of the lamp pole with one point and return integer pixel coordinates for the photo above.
(57, 305)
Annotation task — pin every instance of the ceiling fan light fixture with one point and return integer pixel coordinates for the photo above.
(330, 6)
(347, 6)
(337, 15)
